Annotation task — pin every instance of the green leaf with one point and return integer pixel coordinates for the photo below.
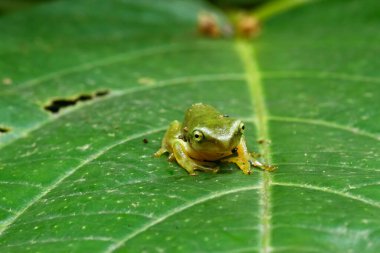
(83, 180)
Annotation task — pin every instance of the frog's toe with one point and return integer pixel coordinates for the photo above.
(171, 157)
(269, 167)
(207, 169)
(215, 170)
(255, 155)
(261, 165)
(160, 152)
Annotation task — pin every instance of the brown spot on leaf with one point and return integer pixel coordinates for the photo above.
(208, 25)
(248, 26)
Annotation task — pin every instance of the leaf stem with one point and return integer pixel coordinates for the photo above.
(274, 8)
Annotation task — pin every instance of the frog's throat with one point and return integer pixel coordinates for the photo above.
(208, 156)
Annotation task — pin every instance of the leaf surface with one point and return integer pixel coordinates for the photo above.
(83, 180)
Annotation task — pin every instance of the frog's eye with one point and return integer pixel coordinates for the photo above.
(241, 127)
(198, 135)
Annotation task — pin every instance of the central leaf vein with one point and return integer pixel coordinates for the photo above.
(246, 54)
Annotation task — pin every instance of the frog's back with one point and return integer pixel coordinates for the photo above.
(201, 114)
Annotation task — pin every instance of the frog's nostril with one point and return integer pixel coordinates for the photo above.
(234, 150)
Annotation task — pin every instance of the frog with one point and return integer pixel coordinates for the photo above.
(206, 138)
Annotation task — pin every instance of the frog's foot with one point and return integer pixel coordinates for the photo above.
(193, 165)
(243, 164)
(160, 152)
(255, 155)
(262, 166)
(189, 164)
(208, 166)
(171, 157)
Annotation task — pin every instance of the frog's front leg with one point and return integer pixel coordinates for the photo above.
(244, 159)
(182, 157)
(258, 164)
(172, 133)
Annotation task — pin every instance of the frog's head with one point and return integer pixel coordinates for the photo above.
(216, 137)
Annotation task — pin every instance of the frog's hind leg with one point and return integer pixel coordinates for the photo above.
(174, 129)
(189, 164)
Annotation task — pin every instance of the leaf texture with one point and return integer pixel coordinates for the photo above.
(83, 180)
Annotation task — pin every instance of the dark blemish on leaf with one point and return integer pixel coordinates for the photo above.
(4, 130)
(57, 104)
(226, 116)
(84, 97)
(145, 141)
(261, 141)
(102, 93)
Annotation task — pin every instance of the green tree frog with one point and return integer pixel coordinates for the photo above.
(206, 137)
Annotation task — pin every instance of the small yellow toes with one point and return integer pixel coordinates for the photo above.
(269, 167)
(255, 155)
(215, 170)
(247, 171)
(171, 157)
(158, 153)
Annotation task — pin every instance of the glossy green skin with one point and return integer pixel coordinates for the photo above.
(221, 133)
(222, 140)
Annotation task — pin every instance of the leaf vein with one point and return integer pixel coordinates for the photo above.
(107, 61)
(8, 222)
(247, 55)
(318, 122)
(332, 191)
(173, 212)
(57, 240)
(319, 75)
(119, 93)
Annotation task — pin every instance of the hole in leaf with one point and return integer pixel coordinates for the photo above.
(101, 93)
(57, 104)
(4, 130)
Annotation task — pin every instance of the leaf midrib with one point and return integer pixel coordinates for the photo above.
(246, 53)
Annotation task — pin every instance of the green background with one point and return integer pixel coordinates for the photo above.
(83, 180)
